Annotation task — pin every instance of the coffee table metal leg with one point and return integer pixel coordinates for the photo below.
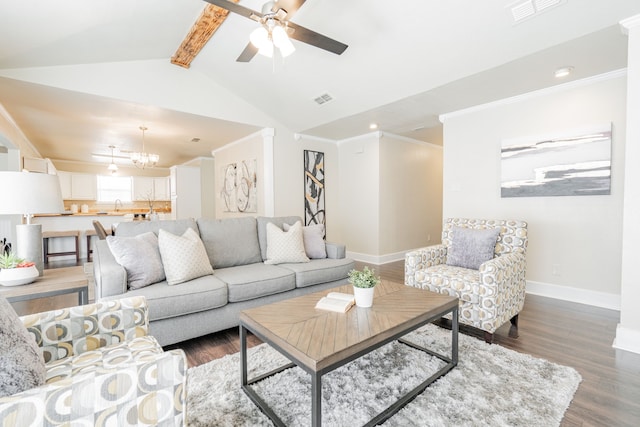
(316, 400)
(243, 355)
(83, 296)
(454, 336)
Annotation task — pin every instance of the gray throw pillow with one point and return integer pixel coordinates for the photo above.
(140, 257)
(313, 239)
(21, 362)
(471, 247)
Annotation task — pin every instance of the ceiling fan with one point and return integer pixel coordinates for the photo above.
(276, 14)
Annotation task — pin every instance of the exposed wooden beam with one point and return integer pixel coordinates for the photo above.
(207, 23)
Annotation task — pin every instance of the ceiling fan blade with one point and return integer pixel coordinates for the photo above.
(307, 36)
(248, 53)
(291, 6)
(234, 7)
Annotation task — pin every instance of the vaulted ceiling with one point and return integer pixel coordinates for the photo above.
(407, 62)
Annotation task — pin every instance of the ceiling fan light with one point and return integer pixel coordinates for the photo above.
(282, 41)
(260, 37)
(266, 50)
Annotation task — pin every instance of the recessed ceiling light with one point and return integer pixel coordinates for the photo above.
(563, 72)
(373, 126)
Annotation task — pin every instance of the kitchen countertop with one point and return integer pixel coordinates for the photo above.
(112, 213)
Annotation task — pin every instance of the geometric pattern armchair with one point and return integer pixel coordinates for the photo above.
(489, 296)
(101, 369)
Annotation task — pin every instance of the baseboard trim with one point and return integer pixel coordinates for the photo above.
(567, 293)
(377, 259)
(627, 339)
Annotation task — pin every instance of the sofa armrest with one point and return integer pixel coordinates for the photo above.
(335, 250)
(70, 331)
(156, 396)
(420, 259)
(110, 277)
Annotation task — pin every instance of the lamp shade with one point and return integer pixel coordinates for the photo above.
(27, 193)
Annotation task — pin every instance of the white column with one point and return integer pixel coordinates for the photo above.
(628, 331)
(268, 179)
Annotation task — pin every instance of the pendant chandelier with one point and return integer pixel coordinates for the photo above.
(143, 159)
(113, 168)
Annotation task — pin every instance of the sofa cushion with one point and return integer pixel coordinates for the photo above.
(256, 280)
(128, 251)
(320, 271)
(285, 246)
(471, 247)
(262, 229)
(313, 238)
(184, 257)
(201, 294)
(231, 241)
(177, 227)
(21, 363)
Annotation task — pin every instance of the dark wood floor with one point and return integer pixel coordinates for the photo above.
(567, 333)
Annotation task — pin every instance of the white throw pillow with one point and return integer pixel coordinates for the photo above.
(184, 257)
(285, 246)
(313, 239)
(140, 257)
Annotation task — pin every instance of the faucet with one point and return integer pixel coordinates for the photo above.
(116, 204)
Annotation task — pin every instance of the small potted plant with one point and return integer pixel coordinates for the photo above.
(16, 271)
(363, 285)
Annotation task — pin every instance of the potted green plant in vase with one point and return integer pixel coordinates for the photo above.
(16, 271)
(363, 283)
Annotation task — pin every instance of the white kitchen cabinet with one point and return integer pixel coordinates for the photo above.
(84, 186)
(143, 188)
(161, 188)
(186, 198)
(65, 184)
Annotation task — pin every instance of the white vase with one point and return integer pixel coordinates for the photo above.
(364, 296)
(18, 276)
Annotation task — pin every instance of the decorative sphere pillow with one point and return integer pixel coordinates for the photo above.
(313, 239)
(21, 362)
(471, 247)
(184, 257)
(285, 246)
(140, 257)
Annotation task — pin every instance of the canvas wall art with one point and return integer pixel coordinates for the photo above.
(239, 187)
(575, 163)
(314, 209)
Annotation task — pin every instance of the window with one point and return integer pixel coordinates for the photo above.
(111, 188)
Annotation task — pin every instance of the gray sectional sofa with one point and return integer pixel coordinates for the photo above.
(236, 249)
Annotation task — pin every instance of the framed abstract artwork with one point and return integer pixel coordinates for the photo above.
(239, 187)
(314, 208)
(576, 163)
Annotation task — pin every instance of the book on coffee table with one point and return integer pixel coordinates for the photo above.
(336, 301)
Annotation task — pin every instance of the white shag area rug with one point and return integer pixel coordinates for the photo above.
(490, 386)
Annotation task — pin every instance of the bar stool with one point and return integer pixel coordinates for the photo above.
(46, 235)
(91, 233)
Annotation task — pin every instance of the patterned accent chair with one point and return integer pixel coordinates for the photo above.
(489, 296)
(101, 369)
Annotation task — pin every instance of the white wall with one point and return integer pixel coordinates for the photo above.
(390, 196)
(628, 332)
(410, 194)
(578, 237)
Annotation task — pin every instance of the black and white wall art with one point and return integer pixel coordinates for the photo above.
(239, 187)
(575, 163)
(314, 209)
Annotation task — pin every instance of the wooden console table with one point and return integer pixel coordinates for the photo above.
(55, 281)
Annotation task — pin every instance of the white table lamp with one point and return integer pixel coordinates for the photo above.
(25, 193)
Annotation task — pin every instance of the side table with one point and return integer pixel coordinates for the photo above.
(55, 281)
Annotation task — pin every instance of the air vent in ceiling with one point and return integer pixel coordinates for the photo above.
(195, 139)
(323, 99)
(523, 10)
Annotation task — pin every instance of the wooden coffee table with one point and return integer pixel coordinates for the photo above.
(56, 281)
(320, 341)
